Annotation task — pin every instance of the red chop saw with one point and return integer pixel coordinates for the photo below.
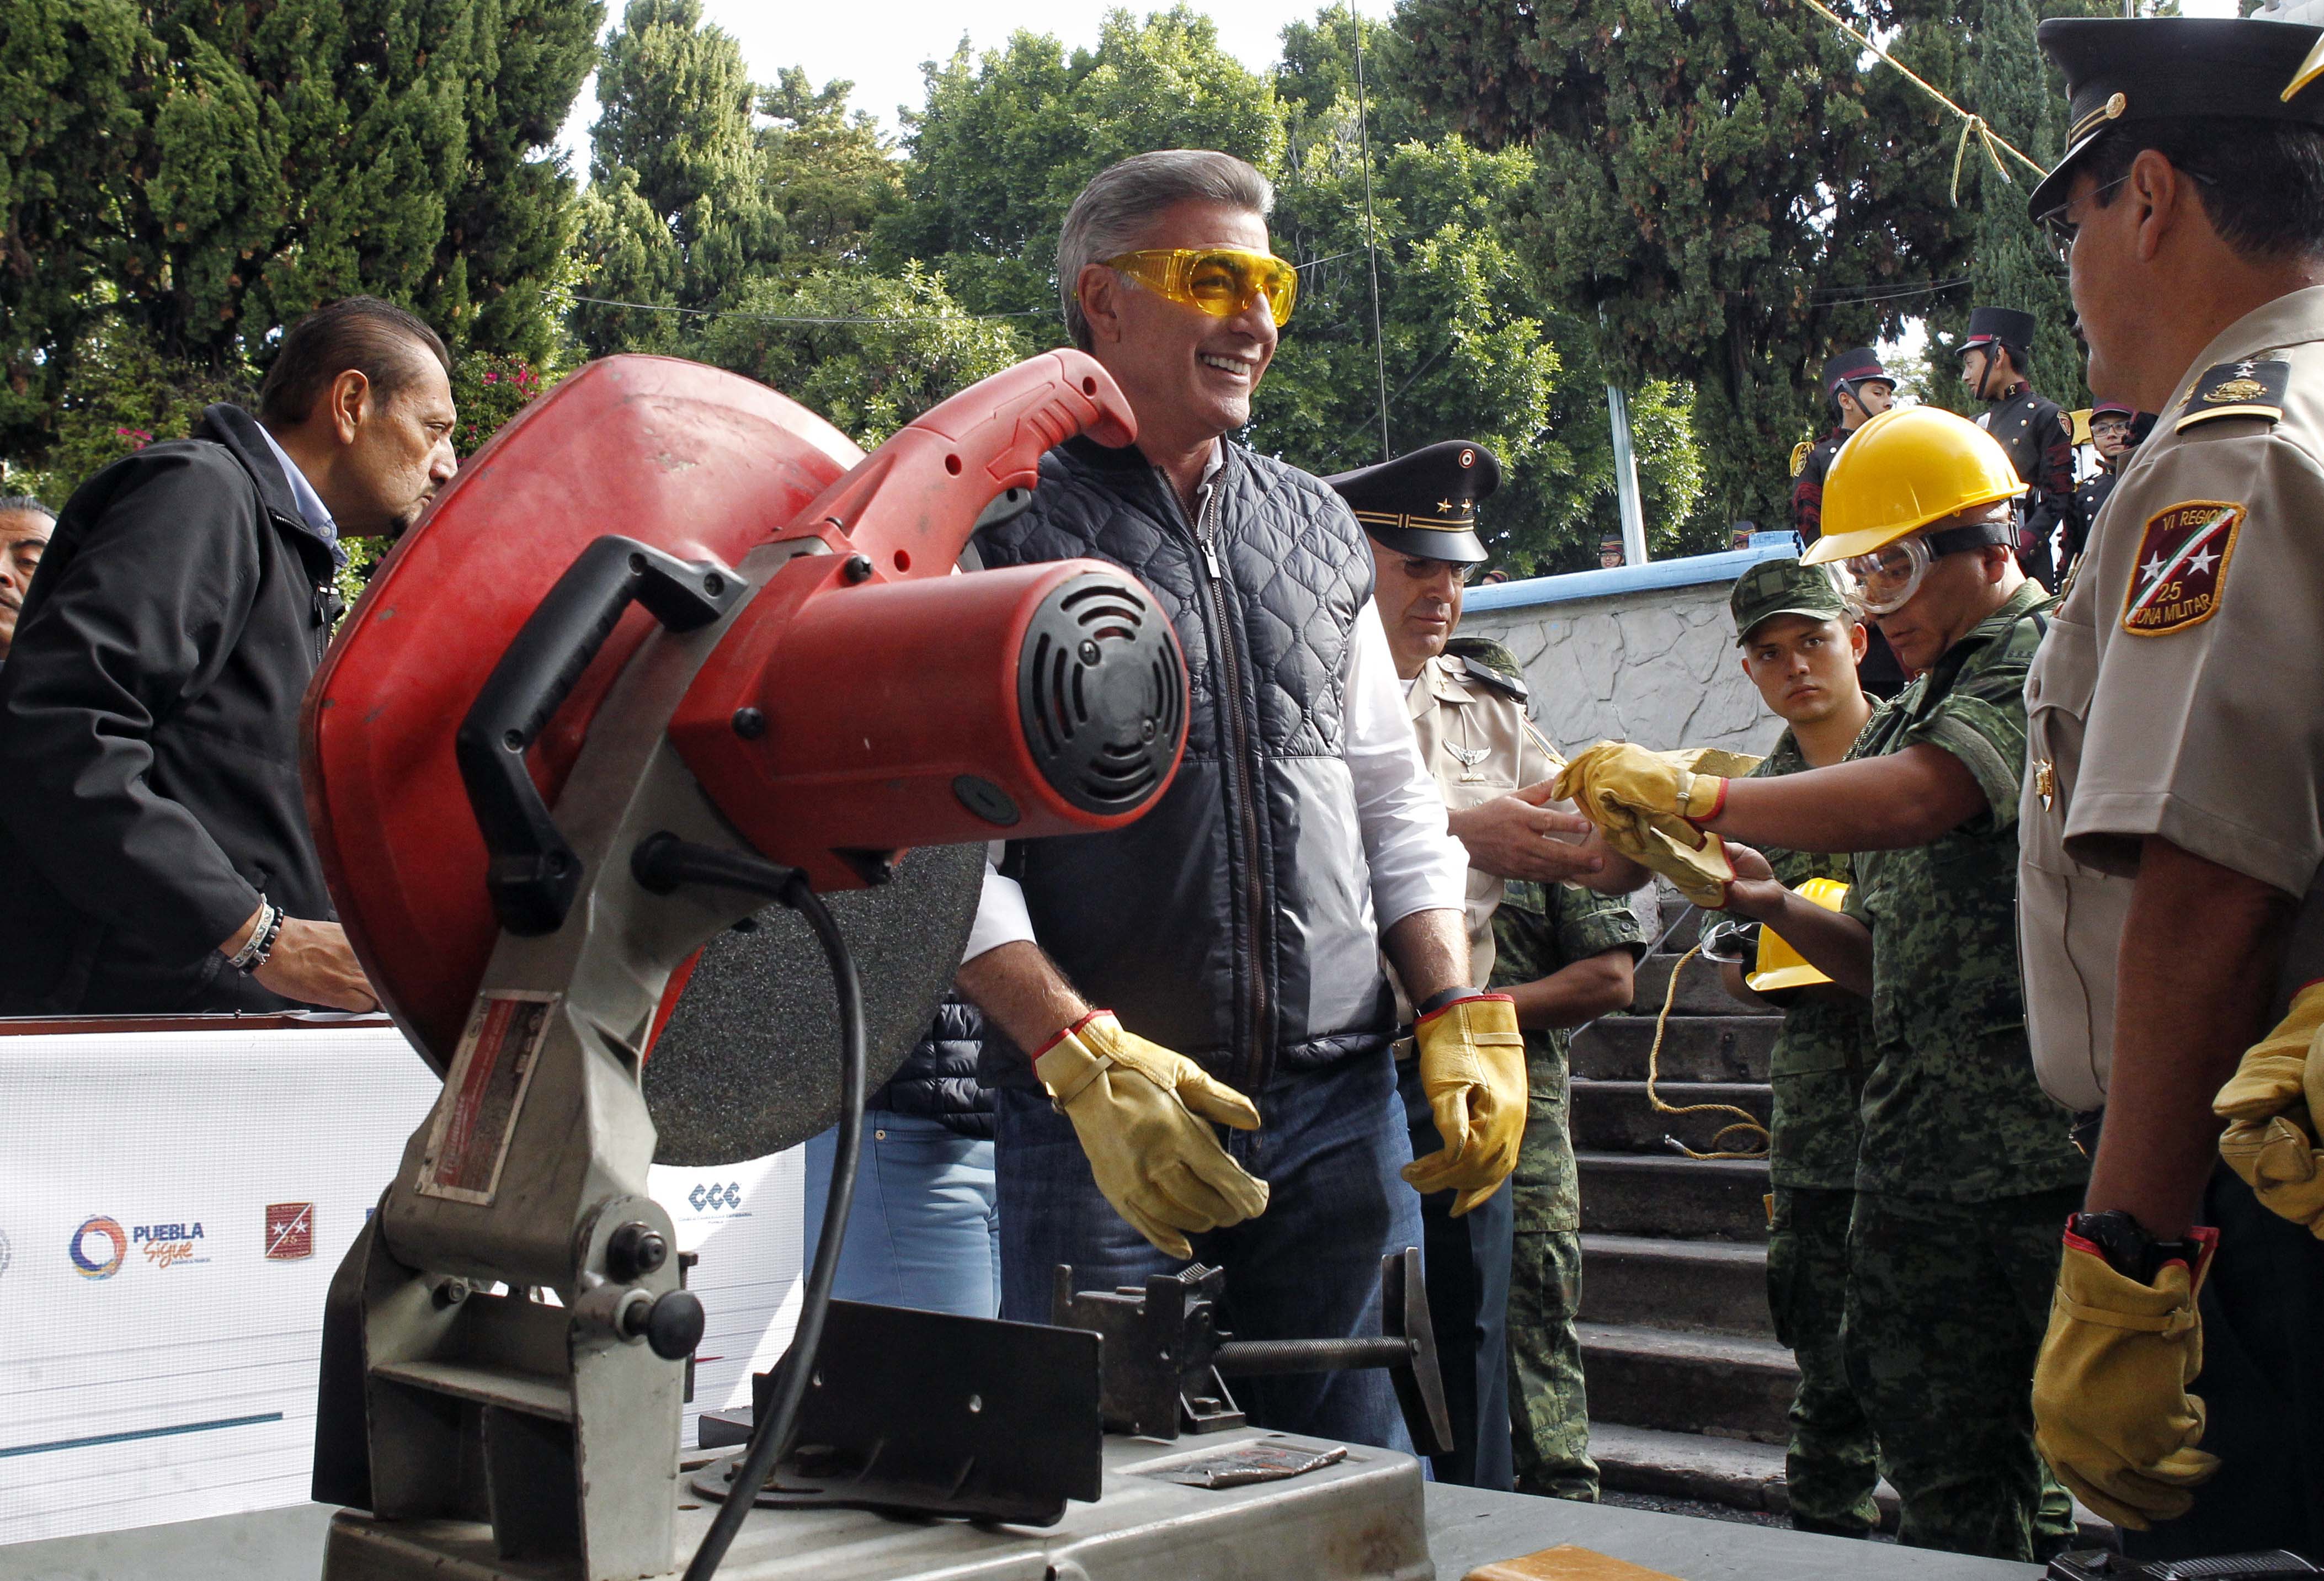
(665, 609)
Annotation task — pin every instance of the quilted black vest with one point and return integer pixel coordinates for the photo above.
(1233, 922)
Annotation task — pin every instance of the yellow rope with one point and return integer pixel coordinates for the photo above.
(1743, 1122)
(1972, 124)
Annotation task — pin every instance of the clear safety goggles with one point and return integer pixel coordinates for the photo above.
(1887, 578)
(1222, 282)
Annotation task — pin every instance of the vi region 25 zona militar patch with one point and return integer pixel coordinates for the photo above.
(2182, 567)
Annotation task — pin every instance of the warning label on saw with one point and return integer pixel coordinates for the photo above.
(484, 1092)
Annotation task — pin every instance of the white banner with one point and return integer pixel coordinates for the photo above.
(173, 1206)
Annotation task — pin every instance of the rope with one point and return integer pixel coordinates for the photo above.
(1743, 1121)
(1972, 124)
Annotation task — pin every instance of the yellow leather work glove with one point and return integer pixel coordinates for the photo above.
(1141, 1111)
(1645, 803)
(2111, 1411)
(2271, 1102)
(1473, 1067)
(1690, 785)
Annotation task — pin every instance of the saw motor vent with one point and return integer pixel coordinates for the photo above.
(1103, 693)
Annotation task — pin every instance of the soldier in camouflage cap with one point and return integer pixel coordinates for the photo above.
(1801, 643)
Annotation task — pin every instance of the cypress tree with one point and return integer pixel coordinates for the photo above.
(1723, 190)
(675, 216)
(190, 177)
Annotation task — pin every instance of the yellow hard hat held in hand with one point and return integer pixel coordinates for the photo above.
(1143, 1115)
(2271, 1104)
(1780, 965)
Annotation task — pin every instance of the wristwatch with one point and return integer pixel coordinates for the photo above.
(1442, 997)
(2126, 1246)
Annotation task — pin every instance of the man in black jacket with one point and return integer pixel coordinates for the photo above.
(1238, 925)
(149, 766)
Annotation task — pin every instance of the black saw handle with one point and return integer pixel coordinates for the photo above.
(534, 874)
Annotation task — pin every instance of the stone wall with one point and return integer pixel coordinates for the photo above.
(1645, 653)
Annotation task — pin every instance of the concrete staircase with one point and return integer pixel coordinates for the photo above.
(1688, 1388)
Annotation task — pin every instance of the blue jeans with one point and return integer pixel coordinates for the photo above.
(924, 1231)
(1467, 1260)
(1308, 1267)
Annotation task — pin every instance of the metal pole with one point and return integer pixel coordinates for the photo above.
(1626, 478)
(1371, 250)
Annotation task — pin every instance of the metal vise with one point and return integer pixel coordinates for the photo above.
(1166, 1360)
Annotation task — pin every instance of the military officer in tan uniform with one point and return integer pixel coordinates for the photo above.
(2173, 811)
(1494, 770)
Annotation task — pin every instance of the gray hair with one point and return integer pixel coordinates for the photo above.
(1124, 198)
(11, 504)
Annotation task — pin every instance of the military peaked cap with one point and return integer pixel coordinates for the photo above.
(1848, 367)
(2121, 70)
(1424, 502)
(2008, 326)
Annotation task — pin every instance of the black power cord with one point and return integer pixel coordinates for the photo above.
(660, 863)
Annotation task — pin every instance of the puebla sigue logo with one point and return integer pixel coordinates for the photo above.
(98, 1247)
(168, 1245)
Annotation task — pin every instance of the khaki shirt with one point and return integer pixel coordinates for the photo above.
(2176, 693)
(1475, 738)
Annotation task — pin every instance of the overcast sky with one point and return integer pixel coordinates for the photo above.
(879, 44)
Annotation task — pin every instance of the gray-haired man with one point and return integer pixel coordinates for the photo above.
(1239, 924)
(24, 527)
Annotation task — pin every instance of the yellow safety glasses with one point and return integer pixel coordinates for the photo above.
(1221, 281)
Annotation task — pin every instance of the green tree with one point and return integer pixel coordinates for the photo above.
(190, 177)
(1006, 140)
(676, 215)
(829, 173)
(2011, 264)
(1473, 344)
(866, 352)
(1726, 182)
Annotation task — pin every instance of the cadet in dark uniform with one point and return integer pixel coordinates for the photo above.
(1856, 387)
(2172, 902)
(1494, 770)
(2117, 427)
(2034, 432)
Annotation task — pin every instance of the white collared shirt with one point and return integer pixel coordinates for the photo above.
(311, 509)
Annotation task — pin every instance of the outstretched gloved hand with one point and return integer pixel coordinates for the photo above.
(1473, 1067)
(2111, 1411)
(1141, 1111)
(1648, 804)
(2272, 1104)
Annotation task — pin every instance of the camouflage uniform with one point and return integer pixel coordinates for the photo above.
(1966, 1172)
(1538, 930)
(1817, 1069)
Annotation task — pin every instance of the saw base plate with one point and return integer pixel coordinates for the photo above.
(1359, 1518)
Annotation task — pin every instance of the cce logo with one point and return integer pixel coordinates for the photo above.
(710, 1199)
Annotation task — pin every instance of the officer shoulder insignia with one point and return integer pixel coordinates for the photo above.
(2237, 389)
(1485, 660)
(2182, 571)
(1800, 454)
(1499, 680)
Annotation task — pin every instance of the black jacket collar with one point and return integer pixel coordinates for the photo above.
(237, 430)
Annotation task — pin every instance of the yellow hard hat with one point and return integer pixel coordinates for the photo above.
(1780, 965)
(1904, 469)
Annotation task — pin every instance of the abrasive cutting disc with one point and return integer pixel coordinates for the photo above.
(749, 1063)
